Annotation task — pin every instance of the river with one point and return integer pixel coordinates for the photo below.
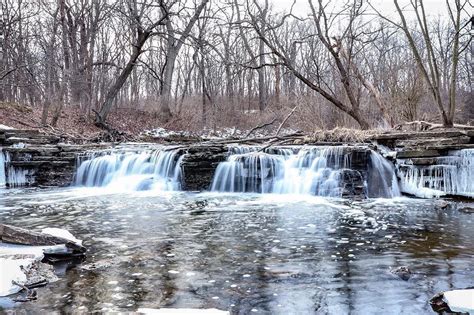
(246, 253)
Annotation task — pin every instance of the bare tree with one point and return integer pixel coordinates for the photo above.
(430, 66)
(173, 46)
(137, 18)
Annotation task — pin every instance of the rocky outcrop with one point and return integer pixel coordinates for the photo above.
(352, 184)
(199, 164)
(34, 137)
(428, 163)
(433, 163)
(33, 158)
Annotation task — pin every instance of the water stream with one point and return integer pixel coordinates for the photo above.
(246, 253)
(272, 237)
(130, 171)
(453, 174)
(302, 170)
(13, 176)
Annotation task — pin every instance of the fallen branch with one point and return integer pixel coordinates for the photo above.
(422, 125)
(285, 120)
(275, 142)
(293, 136)
(260, 127)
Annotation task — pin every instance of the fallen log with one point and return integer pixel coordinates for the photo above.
(16, 235)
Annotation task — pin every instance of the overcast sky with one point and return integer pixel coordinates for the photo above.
(432, 7)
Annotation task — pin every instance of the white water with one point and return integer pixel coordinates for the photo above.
(307, 171)
(454, 176)
(131, 171)
(382, 179)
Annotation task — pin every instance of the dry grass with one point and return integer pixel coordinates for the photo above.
(312, 120)
(347, 135)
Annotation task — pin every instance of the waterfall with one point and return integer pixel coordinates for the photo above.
(11, 176)
(321, 170)
(150, 169)
(452, 175)
(382, 181)
(313, 170)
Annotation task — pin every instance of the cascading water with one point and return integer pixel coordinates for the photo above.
(314, 171)
(309, 170)
(321, 171)
(158, 169)
(382, 181)
(452, 175)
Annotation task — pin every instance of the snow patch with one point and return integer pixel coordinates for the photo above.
(15, 257)
(4, 127)
(62, 234)
(460, 300)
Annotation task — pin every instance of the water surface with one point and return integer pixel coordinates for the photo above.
(278, 254)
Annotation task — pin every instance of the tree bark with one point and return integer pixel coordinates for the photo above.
(172, 50)
(106, 106)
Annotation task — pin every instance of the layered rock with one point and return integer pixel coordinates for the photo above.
(199, 164)
(33, 158)
(433, 163)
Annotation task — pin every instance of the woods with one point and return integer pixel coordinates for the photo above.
(230, 63)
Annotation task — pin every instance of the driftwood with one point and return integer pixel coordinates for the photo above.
(16, 235)
(294, 136)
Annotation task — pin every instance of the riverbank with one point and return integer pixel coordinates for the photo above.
(427, 164)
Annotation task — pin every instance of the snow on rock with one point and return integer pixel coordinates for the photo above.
(4, 127)
(14, 257)
(164, 133)
(460, 300)
(11, 258)
(210, 133)
(11, 272)
(62, 233)
(182, 311)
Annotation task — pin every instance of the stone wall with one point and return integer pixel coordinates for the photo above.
(40, 158)
(199, 164)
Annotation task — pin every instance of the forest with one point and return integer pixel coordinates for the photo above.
(216, 64)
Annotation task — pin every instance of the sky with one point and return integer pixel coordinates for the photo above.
(301, 8)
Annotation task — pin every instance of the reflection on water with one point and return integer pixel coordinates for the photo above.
(248, 253)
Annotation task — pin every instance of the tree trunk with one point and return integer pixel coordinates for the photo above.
(173, 48)
(101, 116)
(262, 95)
(165, 111)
